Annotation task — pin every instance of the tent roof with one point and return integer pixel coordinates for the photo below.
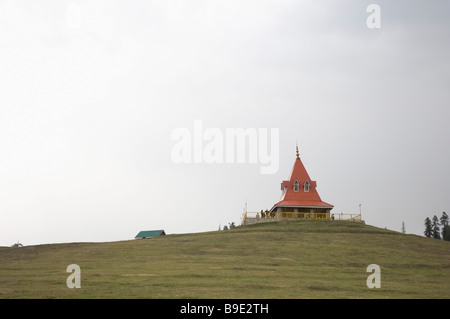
(150, 233)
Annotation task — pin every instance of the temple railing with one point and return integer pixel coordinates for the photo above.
(267, 216)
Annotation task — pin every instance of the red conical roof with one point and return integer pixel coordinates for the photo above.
(296, 192)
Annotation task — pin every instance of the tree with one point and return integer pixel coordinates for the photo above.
(428, 229)
(230, 226)
(435, 230)
(403, 228)
(444, 219)
(444, 223)
(446, 233)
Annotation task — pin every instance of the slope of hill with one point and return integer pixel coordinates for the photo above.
(304, 259)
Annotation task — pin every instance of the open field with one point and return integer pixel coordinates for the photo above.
(304, 259)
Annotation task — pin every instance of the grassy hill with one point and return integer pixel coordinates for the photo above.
(305, 259)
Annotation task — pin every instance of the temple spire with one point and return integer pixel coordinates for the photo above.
(296, 146)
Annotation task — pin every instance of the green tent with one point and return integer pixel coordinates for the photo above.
(150, 233)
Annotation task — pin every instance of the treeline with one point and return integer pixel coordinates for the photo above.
(437, 228)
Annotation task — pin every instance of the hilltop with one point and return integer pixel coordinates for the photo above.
(301, 259)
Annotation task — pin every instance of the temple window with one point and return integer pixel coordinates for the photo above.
(296, 186)
(307, 186)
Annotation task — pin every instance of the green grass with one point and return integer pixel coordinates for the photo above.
(305, 259)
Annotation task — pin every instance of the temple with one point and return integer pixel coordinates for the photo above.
(299, 197)
(299, 200)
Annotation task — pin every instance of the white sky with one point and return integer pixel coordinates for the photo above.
(90, 92)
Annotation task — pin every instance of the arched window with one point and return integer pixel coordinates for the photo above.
(296, 186)
(307, 186)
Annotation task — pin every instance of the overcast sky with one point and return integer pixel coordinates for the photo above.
(91, 92)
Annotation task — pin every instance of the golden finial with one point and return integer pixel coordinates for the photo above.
(296, 146)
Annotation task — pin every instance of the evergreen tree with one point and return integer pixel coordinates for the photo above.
(444, 223)
(435, 230)
(428, 229)
(446, 233)
(444, 219)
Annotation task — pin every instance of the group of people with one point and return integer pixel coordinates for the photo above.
(265, 214)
